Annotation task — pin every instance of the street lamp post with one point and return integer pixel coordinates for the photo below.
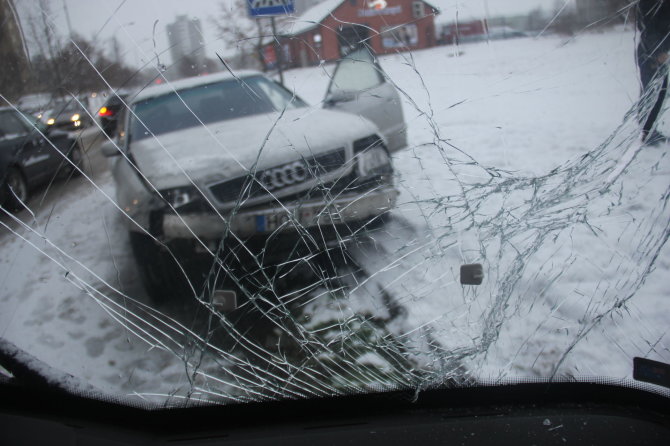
(116, 48)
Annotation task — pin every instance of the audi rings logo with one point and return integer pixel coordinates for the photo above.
(287, 175)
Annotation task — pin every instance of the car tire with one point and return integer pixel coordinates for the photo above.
(16, 189)
(162, 278)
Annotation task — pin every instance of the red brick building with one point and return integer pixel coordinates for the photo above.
(328, 30)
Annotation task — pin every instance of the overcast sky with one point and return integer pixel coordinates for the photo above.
(132, 22)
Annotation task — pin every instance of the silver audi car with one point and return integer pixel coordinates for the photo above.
(233, 164)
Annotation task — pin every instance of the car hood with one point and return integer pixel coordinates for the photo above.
(228, 149)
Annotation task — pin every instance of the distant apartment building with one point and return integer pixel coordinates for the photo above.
(186, 45)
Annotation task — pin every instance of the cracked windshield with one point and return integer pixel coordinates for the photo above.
(214, 202)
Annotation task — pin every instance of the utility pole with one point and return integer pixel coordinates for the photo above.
(279, 51)
(117, 50)
(271, 8)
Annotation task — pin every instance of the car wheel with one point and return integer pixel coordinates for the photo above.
(16, 189)
(162, 278)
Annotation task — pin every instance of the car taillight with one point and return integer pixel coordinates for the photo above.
(104, 111)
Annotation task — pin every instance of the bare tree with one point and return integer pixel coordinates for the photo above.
(248, 35)
(619, 9)
(80, 65)
(47, 41)
(537, 20)
(13, 53)
(565, 20)
(61, 66)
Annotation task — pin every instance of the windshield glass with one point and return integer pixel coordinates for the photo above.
(208, 103)
(477, 193)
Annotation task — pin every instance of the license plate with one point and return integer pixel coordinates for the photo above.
(270, 222)
(306, 216)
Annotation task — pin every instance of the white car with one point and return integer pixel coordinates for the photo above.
(239, 159)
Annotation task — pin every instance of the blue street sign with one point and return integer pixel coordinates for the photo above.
(261, 8)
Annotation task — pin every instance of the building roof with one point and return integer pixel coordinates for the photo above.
(317, 14)
(312, 17)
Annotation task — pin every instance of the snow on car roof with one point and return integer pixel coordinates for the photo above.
(169, 87)
(313, 16)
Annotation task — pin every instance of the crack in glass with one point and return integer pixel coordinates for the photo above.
(325, 304)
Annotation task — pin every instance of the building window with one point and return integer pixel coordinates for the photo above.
(399, 36)
(418, 10)
(351, 37)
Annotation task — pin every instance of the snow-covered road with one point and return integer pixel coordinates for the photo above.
(571, 300)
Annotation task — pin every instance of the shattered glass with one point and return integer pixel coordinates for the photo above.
(282, 251)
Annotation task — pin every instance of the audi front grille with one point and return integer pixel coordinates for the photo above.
(277, 178)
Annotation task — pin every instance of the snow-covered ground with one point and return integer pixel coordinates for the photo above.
(526, 106)
(566, 233)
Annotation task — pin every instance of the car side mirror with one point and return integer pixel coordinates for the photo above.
(340, 96)
(109, 148)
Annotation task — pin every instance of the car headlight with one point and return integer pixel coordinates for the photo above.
(75, 117)
(180, 196)
(373, 161)
(51, 121)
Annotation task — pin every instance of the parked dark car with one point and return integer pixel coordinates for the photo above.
(31, 154)
(109, 113)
